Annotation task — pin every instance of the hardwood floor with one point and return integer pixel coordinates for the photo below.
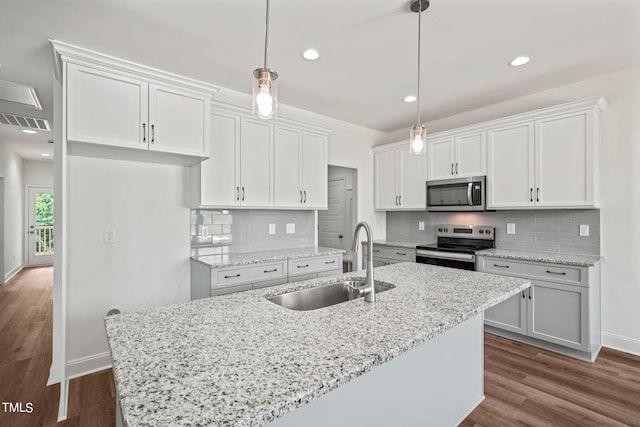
(524, 385)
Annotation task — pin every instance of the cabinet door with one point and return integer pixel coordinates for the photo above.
(219, 174)
(559, 314)
(106, 108)
(179, 121)
(386, 177)
(564, 161)
(256, 162)
(510, 167)
(471, 155)
(286, 163)
(412, 180)
(314, 171)
(440, 155)
(510, 315)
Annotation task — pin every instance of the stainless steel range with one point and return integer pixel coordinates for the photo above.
(457, 246)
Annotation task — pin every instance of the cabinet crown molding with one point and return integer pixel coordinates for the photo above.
(68, 53)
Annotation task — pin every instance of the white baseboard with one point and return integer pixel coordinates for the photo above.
(15, 270)
(88, 365)
(617, 342)
(55, 375)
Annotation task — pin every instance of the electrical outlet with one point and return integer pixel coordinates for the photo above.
(511, 228)
(110, 235)
(291, 227)
(584, 229)
(272, 229)
(421, 225)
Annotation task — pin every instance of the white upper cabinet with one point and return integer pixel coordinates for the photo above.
(261, 164)
(549, 161)
(115, 104)
(457, 156)
(399, 178)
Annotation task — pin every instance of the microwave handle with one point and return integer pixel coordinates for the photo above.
(469, 194)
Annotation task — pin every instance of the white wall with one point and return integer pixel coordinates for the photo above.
(11, 167)
(147, 266)
(38, 172)
(620, 189)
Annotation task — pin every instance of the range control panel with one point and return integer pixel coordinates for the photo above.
(486, 232)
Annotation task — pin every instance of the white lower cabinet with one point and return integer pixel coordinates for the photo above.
(387, 255)
(562, 306)
(208, 282)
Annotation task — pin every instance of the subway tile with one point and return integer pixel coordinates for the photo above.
(580, 249)
(591, 217)
(542, 227)
(591, 240)
(520, 236)
(510, 245)
(541, 246)
(553, 237)
(553, 216)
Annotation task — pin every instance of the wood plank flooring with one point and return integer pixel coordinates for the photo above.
(524, 385)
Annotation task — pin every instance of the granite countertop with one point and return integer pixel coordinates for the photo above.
(550, 257)
(242, 258)
(242, 360)
(408, 244)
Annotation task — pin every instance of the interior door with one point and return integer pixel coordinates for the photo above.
(40, 233)
(332, 223)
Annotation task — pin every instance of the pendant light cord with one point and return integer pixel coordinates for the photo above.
(266, 36)
(419, 37)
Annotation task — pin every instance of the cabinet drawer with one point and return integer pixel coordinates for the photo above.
(233, 276)
(394, 253)
(301, 266)
(548, 272)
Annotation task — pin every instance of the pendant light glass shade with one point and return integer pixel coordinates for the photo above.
(418, 139)
(265, 93)
(265, 87)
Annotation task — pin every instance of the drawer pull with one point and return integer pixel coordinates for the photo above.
(561, 273)
(376, 250)
(501, 266)
(330, 262)
(522, 294)
(271, 271)
(303, 266)
(229, 277)
(401, 253)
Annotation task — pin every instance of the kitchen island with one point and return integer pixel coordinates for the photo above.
(241, 360)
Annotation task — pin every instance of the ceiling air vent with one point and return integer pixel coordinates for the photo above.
(24, 122)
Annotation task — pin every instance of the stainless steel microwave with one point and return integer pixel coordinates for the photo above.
(456, 195)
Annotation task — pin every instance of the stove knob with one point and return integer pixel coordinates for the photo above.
(440, 229)
(446, 229)
(481, 231)
(488, 231)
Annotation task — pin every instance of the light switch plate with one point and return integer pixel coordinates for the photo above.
(272, 229)
(109, 235)
(511, 228)
(584, 229)
(420, 225)
(291, 228)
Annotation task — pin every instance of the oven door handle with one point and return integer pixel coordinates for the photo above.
(445, 255)
(470, 193)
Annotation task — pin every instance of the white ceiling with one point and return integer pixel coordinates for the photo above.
(368, 50)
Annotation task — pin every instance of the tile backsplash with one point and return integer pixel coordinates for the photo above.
(548, 230)
(229, 231)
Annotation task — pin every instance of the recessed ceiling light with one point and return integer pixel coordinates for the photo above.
(311, 54)
(29, 131)
(520, 60)
(409, 98)
(45, 155)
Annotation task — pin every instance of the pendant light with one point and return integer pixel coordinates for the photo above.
(265, 88)
(418, 133)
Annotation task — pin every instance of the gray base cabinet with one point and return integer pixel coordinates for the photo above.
(562, 307)
(208, 282)
(386, 255)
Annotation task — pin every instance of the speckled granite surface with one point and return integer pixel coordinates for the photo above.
(399, 243)
(240, 360)
(241, 258)
(550, 257)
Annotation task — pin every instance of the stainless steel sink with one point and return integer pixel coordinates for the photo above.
(326, 295)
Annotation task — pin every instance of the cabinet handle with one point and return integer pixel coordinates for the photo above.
(400, 200)
(452, 169)
(396, 200)
(560, 273)
(300, 196)
(144, 132)
(237, 194)
(456, 168)
(376, 250)
(401, 253)
(537, 194)
(303, 266)
(305, 196)
(501, 266)
(243, 193)
(229, 277)
(522, 294)
(330, 262)
(271, 271)
(531, 194)
(153, 134)
(530, 294)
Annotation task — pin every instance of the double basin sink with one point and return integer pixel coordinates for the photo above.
(326, 295)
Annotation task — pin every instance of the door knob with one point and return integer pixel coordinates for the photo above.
(339, 236)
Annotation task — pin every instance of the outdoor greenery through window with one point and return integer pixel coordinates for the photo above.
(44, 224)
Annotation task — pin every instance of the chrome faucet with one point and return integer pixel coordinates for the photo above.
(370, 290)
